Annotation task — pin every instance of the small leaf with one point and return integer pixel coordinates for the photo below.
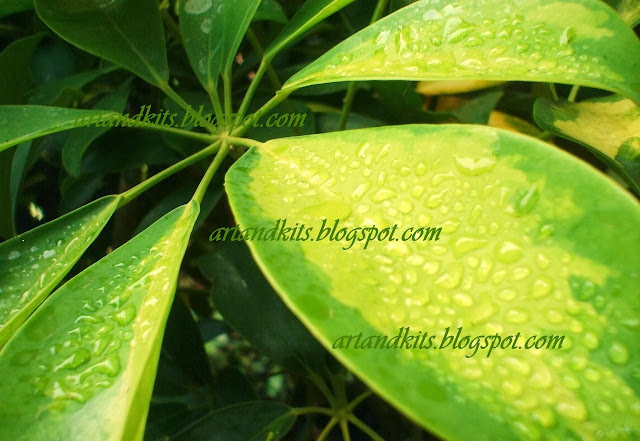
(79, 140)
(8, 7)
(102, 333)
(310, 14)
(33, 263)
(241, 293)
(560, 42)
(22, 123)
(532, 241)
(128, 33)
(252, 421)
(270, 10)
(212, 31)
(609, 127)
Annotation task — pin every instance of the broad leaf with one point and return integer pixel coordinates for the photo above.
(533, 241)
(310, 14)
(212, 31)
(539, 40)
(609, 127)
(103, 333)
(629, 10)
(79, 140)
(270, 10)
(241, 294)
(33, 263)
(252, 421)
(22, 123)
(8, 7)
(128, 33)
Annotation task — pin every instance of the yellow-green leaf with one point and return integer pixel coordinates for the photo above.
(83, 366)
(533, 241)
(33, 263)
(574, 41)
(609, 127)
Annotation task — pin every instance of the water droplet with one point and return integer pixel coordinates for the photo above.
(13, 255)
(474, 167)
(197, 6)
(508, 252)
(574, 410)
(618, 353)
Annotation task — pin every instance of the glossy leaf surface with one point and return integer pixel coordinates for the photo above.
(212, 31)
(8, 7)
(523, 249)
(128, 33)
(22, 123)
(540, 40)
(102, 332)
(609, 127)
(33, 263)
(252, 421)
(310, 14)
(270, 10)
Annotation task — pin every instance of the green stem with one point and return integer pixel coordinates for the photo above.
(214, 97)
(257, 46)
(573, 94)
(136, 191)
(353, 87)
(273, 102)
(182, 103)
(171, 24)
(245, 142)
(344, 427)
(163, 128)
(228, 105)
(323, 435)
(322, 386)
(359, 399)
(362, 426)
(552, 90)
(313, 409)
(211, 171)
(255, 82)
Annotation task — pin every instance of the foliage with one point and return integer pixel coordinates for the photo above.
(139, 145)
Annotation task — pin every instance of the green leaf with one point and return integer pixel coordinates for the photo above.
(33, 263)
(542, 40)
(533, 241)
(310, 14)
(8, 7)
(241, 294)
(15, 76)
(629, 10)
(102, 332)
(13, 164)
(270, 10)
(609, 127)
(252, 421)
(128, 33)
(212, 31)
(79, 140)
(22, 123)
(49, 93)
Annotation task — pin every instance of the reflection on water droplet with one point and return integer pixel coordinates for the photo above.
(197, 6)
(475, 167)
(508, 252)
(618, 353)
(13, 255)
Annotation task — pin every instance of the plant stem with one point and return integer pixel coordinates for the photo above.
(182, 103)
(271, 72)
(344, 427)
(211, 171)
(171, 24)
(245, 142)
(552, 90)
(322, 386)
(255, 82)
(313, 409)
(163, 128)
(353, 87)
(217, 105)
(277, 99)
(136, 191)
(362, 426)
(573, 94)
(359, 399)
(228, 105)
(325, 432)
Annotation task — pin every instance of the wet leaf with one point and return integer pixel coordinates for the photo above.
(128, 33)
(310, 14)
(33, 263)
(22, 123)
(541, 40)
(212, 33)
(102, 332)
(609, 127)
(522, 248)
(48, 93)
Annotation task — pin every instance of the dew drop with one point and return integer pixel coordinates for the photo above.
(618, 353)
(197, 6)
